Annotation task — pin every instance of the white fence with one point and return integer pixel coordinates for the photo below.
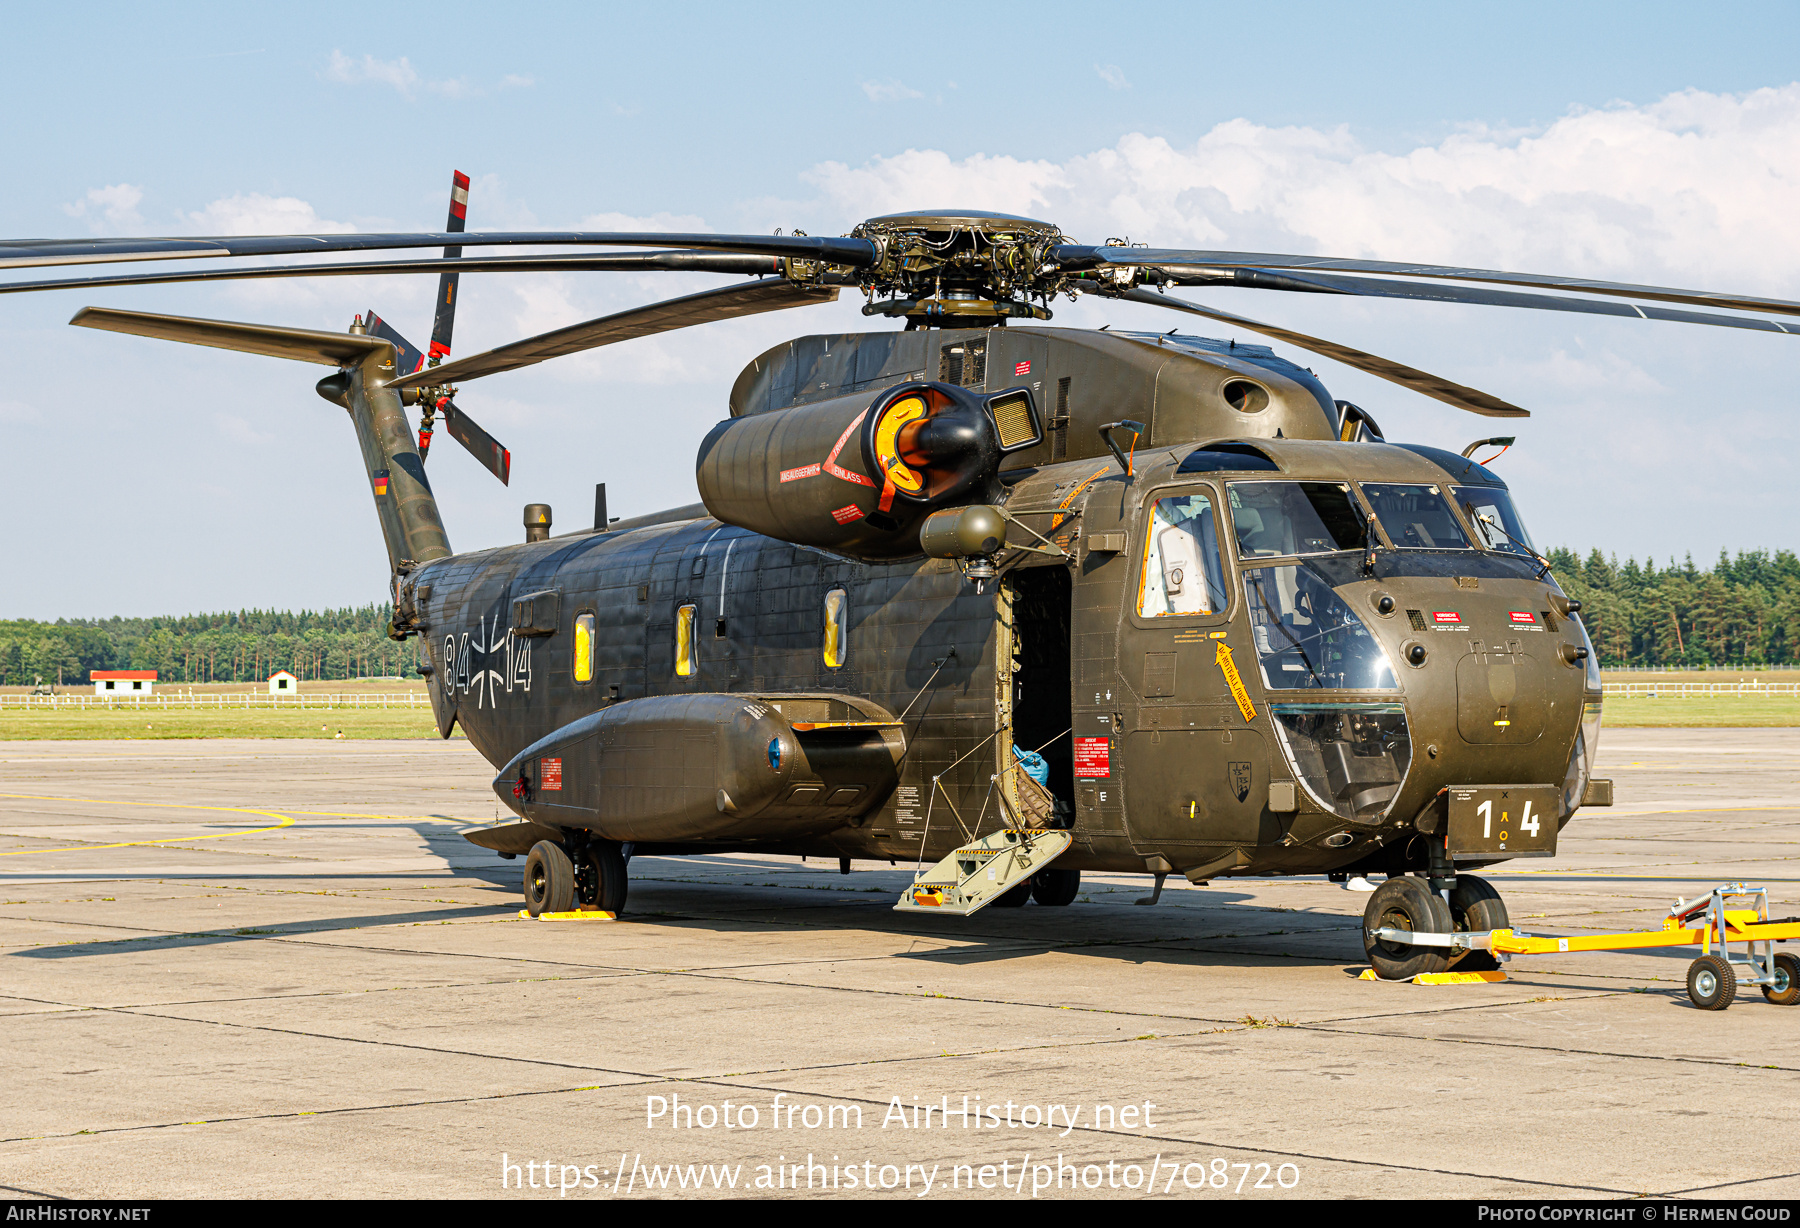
(1701, 690)
(223, 702)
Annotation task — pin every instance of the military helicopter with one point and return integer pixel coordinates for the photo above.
(1004, 601)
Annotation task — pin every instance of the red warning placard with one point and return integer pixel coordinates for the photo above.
(550, 775)
(1093, 757)
(1021, 368)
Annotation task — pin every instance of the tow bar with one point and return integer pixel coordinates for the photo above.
(1712, 979)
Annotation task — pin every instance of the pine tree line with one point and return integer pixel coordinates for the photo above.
(246, 646)
(1746, 610)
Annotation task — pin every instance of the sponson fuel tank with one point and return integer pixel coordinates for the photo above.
(858, 474)
(710, 767)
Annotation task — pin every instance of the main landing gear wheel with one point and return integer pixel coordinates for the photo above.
(1786, 989)
(601, 878)
(1055, 888)
(1405, 903)
(1711, 983)
(1018, 897)
(1476, 908)
(549, 879)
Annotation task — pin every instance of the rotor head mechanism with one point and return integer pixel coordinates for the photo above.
(858, 477)
(961, 267)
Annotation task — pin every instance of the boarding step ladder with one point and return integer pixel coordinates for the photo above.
(980, 872)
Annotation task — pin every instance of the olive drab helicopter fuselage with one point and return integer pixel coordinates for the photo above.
(1263, 718)
(1007, 600)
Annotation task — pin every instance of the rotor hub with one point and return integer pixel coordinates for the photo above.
(961, 265)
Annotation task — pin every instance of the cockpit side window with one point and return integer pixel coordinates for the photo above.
(1182, 572)
(1496, 521)
(1416, 517)
(1281, 519)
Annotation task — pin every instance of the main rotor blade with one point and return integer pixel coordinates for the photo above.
(1074, 257)
(31, 253)
(769, 294)
(1444, 292)
(606, 262)
(481, 445)
(1471, 399)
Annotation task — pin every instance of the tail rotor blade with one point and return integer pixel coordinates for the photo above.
(481, 445)
(445, 320)
(407, 358)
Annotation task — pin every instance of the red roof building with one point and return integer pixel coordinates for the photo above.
(122, 681)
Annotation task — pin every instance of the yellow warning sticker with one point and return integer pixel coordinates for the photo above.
(1228, 667)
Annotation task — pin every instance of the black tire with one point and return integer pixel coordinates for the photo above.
(1476, 908)
(1786, 989)
(1018, 897)
(1055, 888)
(549, 879)
(1410, 904)
(1711, 983)
(604, 881)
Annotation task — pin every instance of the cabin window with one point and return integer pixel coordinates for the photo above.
(1182, 574)
(1416, 517)
(837, 627)
(1274, 519)
(686, 651)
(584, 648)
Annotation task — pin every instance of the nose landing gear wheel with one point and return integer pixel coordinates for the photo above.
(1786, 989)
(549, 879)
(1711, 984)
(1407, 904)
(1476, 908)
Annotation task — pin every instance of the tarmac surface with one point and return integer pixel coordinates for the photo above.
(241, 969)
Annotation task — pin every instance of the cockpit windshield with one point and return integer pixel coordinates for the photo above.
(1416, 517)
(1277, 519)
(1307, 637)
(1491, 511)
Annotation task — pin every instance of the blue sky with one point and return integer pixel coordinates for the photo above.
(1612, 140)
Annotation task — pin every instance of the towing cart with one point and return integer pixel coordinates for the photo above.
(1729, 913)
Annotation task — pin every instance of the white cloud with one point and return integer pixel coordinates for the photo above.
(403, 77)
(252, 213)
(398, 73)
(110, 209)
(1113, 75)
(1682, 188)
(893, 90)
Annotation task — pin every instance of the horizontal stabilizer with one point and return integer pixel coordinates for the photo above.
(301, 344)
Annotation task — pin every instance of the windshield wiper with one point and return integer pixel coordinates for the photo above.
(1543, 563)
(1264, 597)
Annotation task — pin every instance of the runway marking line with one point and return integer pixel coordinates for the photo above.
(287, 820)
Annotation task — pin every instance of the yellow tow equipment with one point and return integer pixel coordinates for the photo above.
(1707, 921)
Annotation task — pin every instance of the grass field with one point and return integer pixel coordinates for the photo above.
(73, 723)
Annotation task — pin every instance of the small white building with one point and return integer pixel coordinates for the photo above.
(117, 682)
(283, 683)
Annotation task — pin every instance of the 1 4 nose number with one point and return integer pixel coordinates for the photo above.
(1527, 821)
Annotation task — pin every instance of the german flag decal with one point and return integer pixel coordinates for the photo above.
(381, 477)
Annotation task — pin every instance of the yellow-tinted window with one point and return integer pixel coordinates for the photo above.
(584, 648)
(837, 627)
(684, 641)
